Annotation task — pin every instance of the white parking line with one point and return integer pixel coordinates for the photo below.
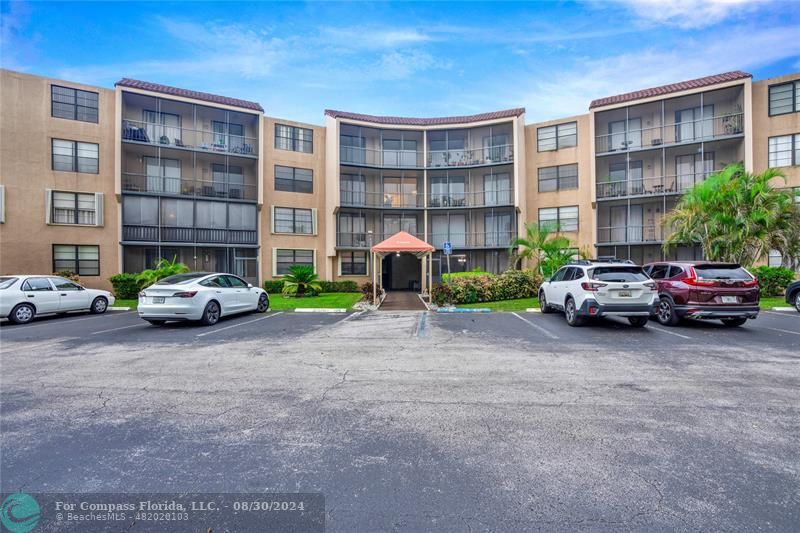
(117, 329)
(784, 314)
(661, 330)
(781, 330)
(239, 324)
(350, 316)
(537, 326)
(57, 321)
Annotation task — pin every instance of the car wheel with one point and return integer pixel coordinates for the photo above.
(571, 313)
(666, 314)
(157, 322)
(99, 306)
(638, 321)
(797, 301)
(22, 314)
(263, 304)
(733, 322)
(210, 314)
(544, 307)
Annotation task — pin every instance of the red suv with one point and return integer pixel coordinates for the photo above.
(704, 290)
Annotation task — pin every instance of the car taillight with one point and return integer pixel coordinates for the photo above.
(650, 285)
(184, 294)
(592, 286)
(142, 294)
(692, 279)
(752, 283)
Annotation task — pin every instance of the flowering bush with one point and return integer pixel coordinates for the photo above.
(487, 288)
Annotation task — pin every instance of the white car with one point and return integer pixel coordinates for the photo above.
(23, 297)
(585, 289)
(203, 296)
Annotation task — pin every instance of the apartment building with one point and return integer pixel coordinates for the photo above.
(97, 181)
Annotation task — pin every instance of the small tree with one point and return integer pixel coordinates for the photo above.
(548, 251)
(163, 269)
(300, 280)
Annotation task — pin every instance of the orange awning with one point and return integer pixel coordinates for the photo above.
(402, 242)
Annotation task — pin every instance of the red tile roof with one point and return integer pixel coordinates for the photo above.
(410, 121)
(185, 93)
(671, 88)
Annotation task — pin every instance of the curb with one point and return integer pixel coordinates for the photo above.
(782, 308)
(463, 310)
(533, 310)
(320, 310)
(120, 308)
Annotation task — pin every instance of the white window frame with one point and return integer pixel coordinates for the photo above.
(366, 254)
(275, 258)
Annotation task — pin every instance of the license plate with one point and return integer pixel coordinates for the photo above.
(624, 294)
(729, 300)
(158, 299)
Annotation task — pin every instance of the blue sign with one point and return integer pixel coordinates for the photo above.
(447, 248)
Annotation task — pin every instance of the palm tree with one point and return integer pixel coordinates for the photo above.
(163, 269)
(737, 217)
(300, 280)
(547, 251)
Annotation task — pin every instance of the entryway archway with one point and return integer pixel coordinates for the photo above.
(402, 273)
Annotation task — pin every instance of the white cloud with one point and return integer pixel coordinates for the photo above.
(371, 37)
(690, 14)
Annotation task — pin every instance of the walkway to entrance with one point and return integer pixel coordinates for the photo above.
(402, 301)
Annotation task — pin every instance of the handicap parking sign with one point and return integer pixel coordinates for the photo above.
(447, 248)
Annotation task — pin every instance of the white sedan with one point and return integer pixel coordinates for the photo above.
(23, 297)
(203, 296)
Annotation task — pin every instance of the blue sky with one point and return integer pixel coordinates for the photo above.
(413, 59)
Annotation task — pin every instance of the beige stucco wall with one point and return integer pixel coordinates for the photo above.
(26, 130)
(582, 196)
(765, 126)
(316, 200)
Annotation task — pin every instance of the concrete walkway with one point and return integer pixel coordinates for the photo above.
(402, 301)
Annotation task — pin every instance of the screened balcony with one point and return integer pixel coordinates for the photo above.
(389, 189)
(476, 187)
(374, 147)
(478, 228)
(187, 126)
(487, 145)
(356, 228)
(633, 222)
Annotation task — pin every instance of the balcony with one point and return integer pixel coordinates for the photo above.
(141, 233)
(188, 139)
(649, 186)
(630, 234)
(490, 155)
(352, 155)
(386, 200)
(183, 186)
(366, 240)
(487, 239)
(490, 198)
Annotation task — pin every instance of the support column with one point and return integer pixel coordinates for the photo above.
(430, 277)
(374, 281)
(424, 261)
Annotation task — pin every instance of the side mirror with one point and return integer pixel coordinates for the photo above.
(249, 285)
(81, 288)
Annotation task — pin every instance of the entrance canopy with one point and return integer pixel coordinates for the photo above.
(402, 242)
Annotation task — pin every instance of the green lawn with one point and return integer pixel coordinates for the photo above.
(126, 303)
(774, 301)
(327, 299)
(507, 305)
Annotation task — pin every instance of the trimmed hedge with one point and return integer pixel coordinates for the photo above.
(125, 286)
(471, 274)
(275, 286)
(773, 280)
(509, 285)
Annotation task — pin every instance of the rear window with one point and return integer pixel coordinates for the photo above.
(6, 282)
(721, 272)
(620, 274)
(177, 279)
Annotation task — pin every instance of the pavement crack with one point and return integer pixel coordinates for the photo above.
(335, 385)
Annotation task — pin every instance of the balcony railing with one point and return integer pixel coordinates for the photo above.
(704, 129)
(363, 239)
(487, 239)
(188, 187)
(177, 137)
(490, 155)
(472, 199)
(188, 235)
(629, 234)
(649, 186)
(380, 199)
(380, 158)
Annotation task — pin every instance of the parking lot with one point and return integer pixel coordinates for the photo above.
(419, 421)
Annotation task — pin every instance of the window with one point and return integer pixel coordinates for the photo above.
(242, 216)
(177, 213)
(559, 218)
(557, 137)
(37, 284)
(73, 156)
(291, 220)
(784, 98)
(139, 211)
(558, 178)
(211, 215)
(80, 259)
(62, 284)
(284, 259)
(353, 263)
(784, 151)
(73, 208)
(236, 283)
(73, 104)
(294, 138)
(659, 271)
(294, 179)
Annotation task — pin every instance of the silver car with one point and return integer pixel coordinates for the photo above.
(200, 296)
(23, 297)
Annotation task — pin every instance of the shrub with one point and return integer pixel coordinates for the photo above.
(301, 281)
(487, 288)
(473, 273)
(513, 284)
(773, 280)
(366, 289)
(69, 274)
(125, 285)
(273, 286)
(338, 286)
(162, 270)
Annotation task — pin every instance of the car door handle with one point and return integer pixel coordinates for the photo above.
(219, 292)
(31, 296)
(63, 294)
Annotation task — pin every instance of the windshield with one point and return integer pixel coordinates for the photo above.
(6, 282)
(721, 272)
(179, 279)
(619, 274)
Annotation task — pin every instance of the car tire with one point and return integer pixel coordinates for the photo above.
(797, 301)
(733, 322)
(99, 306)
(637, 321)
(571, 313)
(210, 314)
(263, 304)
(544, 307)
(157, 322)
(666, 314)
(22, 314)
